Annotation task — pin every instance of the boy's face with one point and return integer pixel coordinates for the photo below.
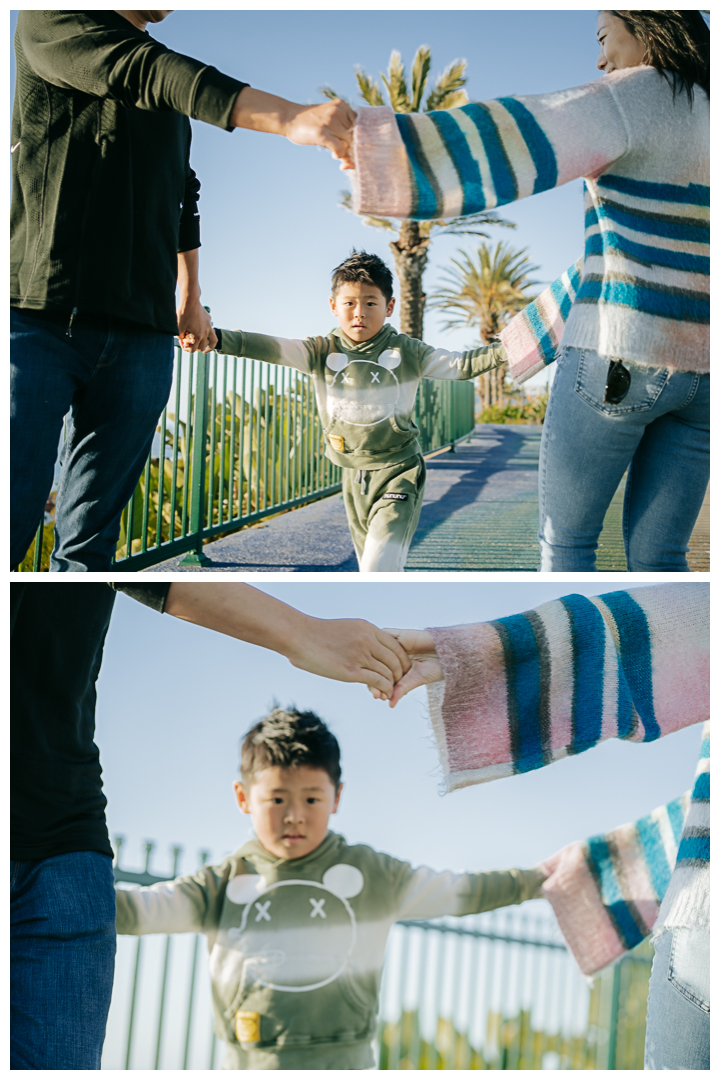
(361, 310)
(290, 808)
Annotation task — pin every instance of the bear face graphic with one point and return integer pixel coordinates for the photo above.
(362, 392)
(295, 935)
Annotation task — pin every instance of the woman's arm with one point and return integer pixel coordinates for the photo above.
(456, 162)
(521, 692)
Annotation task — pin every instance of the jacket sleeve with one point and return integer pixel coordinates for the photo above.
(427, 894)
(523, 691)
(189, 234)
(441, 364)
(152, 595)
(455, 162)
(95, 53)
(273, 350)
(185, 905)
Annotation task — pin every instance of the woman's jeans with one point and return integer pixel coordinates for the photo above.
(678, 1020)
(62, 958)
(115, 376)
(660, 433)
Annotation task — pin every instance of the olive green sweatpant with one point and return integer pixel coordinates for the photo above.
(383, 508)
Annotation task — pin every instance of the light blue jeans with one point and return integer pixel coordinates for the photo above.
(678, 1021)
(660, 433)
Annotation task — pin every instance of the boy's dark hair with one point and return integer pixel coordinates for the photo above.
(367, 269)
(287, 737)
(676, 42)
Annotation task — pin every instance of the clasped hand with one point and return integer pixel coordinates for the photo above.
(425, 664)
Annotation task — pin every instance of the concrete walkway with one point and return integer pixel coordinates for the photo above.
(480, 513)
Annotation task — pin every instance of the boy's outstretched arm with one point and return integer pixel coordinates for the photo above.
(349, 650)
(442, 364)
(292, 352)
(428, 893)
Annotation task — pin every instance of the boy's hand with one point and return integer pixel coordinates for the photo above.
(351, 650)
(420, 647)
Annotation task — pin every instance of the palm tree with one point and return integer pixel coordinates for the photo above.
(410, 249)
(485, 291)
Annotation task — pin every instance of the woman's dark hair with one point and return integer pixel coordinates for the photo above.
(676, 43)
(288, 737)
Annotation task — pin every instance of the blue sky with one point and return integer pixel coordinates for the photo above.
(271, 227)
(174, 701)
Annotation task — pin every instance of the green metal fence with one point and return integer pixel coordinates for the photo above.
(238, 441)
(495, 991)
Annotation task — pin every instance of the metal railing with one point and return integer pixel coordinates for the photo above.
(494, 991)
(241, 440)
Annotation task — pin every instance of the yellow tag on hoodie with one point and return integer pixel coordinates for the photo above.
(337, 442)
(247, 1027)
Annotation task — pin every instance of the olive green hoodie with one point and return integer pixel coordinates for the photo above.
(366, 391)
(297, 945)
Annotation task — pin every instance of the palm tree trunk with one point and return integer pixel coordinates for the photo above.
(410, 252)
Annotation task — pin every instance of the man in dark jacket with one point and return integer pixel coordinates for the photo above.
(104, 222)
(62, 901)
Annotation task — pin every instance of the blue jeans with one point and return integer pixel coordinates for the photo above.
(660, 433)
(62, 958)
(115, 376)
(678, 1021)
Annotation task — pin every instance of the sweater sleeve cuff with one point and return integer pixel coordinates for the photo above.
(215, 97)
(382, 180)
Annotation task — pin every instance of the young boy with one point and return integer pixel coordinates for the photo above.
(366, 377)
(297, 919)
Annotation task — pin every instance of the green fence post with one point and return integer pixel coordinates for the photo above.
(614, 1015)
(197, 479)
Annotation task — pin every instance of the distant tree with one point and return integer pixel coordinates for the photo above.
(485, 290)
(410, 249)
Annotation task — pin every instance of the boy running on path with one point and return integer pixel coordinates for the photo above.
(297, 919)
(366, 377)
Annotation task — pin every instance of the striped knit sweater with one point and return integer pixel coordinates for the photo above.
(523, 691)
(645, 159)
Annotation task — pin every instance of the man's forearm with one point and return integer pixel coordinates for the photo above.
(350, 650)
(329, 124)
(188, 272)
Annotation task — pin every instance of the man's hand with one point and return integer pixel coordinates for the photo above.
(420, 647)
(195, 330)
(349, 650)
(329, 125)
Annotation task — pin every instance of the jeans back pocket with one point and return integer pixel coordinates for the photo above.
(646, 385)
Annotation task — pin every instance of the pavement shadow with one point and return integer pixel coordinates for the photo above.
(480, 464)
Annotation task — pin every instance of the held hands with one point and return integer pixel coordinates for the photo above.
(350, 650)
(420, 648)
(195, 331)
(329, 125)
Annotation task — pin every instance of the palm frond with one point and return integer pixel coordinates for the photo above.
(369, 90)
(328, 92)
(473, 224)
(485, 289)
(396, 84)
(448, 91)
(421, 68)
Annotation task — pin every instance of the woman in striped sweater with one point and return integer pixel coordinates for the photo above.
(631, 390)
(521, 692)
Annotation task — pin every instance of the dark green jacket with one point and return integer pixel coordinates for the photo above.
(103, 194)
